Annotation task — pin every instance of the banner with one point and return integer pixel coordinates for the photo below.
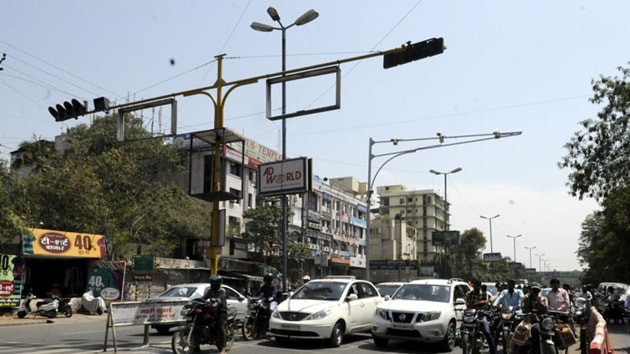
(105, 279)
(11, 272)
(62, 243)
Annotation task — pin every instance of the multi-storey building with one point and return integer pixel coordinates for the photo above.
(423, 210)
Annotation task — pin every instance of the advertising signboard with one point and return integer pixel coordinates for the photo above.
(492, 257)
(288, 176)
(444, 238)
(63, 244)
(11, 272)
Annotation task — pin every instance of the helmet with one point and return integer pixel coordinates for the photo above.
(535, 288)
(216, 281)
(306, 278)
(268, 278)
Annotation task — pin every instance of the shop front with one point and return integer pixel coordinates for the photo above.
(61, 263)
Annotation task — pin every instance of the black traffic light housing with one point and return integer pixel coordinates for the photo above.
(70, 109)
(412, 52)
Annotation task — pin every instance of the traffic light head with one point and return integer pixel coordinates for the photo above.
(412, 52)
(70, 109)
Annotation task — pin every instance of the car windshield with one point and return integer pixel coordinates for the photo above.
(320, 290)
(179, 291)
(387, 289)
(425, 292)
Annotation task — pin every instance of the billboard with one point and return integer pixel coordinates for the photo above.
(444, 238)
(282, 177)
(492, 257)
(63, 244)
(11, 274)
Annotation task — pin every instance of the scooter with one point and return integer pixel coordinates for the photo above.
(92, 304)
(43, 307)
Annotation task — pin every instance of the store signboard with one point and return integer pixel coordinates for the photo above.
(63, 244)
(11, 273)
(106, 279)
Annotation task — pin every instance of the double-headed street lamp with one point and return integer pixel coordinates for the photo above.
(530, 254)
(446, 212)
(540, 256)
(489, 218)
(392, 155)
(307, 17)
(514, 239)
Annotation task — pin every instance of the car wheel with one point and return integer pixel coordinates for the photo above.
(380, 341)
(163, 330)
(448, 343)
(336, 336)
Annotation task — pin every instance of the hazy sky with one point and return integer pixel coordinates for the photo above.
(509, 66)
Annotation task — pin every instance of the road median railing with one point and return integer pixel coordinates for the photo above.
(598, 331)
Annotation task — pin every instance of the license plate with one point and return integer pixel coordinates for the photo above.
(291, 326)
(402, 326)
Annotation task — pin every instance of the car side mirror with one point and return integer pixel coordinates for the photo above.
(386, 298)
(352, 297)
(460, 301)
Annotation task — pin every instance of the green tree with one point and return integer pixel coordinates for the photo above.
(104, 186)
(467, 258)
(599, 154)
(12, 207)
(263, 231)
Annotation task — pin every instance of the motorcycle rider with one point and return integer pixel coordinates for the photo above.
(510, 296)
(270, 293)
(533, 301)
(480, 300)
(558, 300)
(217, 292)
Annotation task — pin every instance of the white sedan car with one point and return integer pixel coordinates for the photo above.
(421, 310)
(326, 309)
(184, 292)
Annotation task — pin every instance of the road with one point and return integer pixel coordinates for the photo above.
(86, 335)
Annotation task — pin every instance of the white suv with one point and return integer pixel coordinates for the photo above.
(326, 309)
(421, 310)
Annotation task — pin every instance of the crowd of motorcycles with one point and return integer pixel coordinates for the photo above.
(556, 331)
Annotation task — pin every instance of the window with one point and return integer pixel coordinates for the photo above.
(402, 200)
(235, 169)
(410, 200)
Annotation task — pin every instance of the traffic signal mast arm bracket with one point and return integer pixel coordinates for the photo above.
(391, 57)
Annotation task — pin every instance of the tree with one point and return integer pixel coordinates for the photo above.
(263, 231)
(100, 185)
(599, 155)
(12, 207)
(468, 255)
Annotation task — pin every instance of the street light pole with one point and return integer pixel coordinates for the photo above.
(540, 260)
(514, 239)
(307, 17)
(530, 254)
(490, 223)
(446, 212)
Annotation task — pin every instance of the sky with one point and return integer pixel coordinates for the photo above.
(509, 66)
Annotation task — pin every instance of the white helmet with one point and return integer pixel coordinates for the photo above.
(306, 278)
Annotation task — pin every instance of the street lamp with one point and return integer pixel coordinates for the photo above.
(530, 254)
(514, 239)
(540, 256)
(446, 213)
(307, 17)
(490, 222)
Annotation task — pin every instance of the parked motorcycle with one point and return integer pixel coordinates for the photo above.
(257, 320)
(43, 307)
(472, 338)
(92, 304)
(522, 338)
(582, 315)
(202, 326)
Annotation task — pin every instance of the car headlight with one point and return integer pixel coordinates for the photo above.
(430, 316)
(382, 314)
(318, 315)
(275, 314)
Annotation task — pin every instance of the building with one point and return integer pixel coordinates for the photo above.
(421, 209)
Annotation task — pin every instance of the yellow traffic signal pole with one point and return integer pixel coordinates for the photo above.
(219, 105)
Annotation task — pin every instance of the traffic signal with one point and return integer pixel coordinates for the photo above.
(70, 109)
(412, 52)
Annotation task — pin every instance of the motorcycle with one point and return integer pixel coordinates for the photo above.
(522, 338)
(257, 320)
(92, 304)
(472, 339)
(43, 307)
(510, 317)
(202, 326)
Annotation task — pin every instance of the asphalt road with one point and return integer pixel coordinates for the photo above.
(86, 334)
